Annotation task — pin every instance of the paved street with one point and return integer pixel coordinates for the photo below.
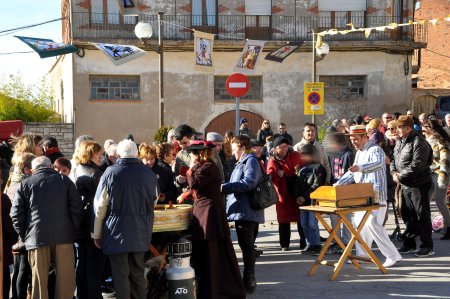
(284, 274)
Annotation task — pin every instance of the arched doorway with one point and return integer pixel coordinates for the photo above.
(226, 121)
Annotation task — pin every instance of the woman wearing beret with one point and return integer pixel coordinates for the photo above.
(213, 256)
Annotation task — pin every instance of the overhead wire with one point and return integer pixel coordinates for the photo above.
(17, 29)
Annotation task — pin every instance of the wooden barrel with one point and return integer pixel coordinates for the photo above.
(176, 219)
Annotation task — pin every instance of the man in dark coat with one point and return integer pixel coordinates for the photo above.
(282, 132)
(411, 169)
(47, 214)
(123, 208)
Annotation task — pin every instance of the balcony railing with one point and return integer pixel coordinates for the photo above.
(93, 27)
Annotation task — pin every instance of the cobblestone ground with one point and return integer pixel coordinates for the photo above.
(284, 274)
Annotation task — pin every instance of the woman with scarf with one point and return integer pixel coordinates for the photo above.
(283, 166)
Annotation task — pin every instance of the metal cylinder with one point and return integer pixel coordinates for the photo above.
(179, 273)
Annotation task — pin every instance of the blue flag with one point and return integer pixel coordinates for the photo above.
(47, 47)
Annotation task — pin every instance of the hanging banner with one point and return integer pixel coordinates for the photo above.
(283, 52)
(128, 7)
(313, 98)
(203, 48)
(47, 47)
(120, 54)
(249, 57)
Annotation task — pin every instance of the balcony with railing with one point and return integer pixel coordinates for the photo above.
(101, 27)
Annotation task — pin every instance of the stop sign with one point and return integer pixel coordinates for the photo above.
(237, 85)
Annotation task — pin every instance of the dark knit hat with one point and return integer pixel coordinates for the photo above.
(280, 140)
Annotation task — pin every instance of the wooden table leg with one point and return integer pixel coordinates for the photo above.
(332, 232)
(357, 237)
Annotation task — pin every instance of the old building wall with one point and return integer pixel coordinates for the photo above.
(435, 59)
(189, 94)
(63, 132)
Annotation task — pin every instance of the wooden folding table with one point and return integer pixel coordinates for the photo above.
(319, 211)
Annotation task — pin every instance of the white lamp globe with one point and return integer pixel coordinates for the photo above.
(323, 50)
(143, 30)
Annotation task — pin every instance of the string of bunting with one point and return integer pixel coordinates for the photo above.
(391, 26)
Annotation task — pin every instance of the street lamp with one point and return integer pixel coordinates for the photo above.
(144, 31)
(318, 53)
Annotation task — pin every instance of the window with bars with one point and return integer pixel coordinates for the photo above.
(115, 88)
(108, 12)
(255, 92)
(344, 87)
(340, 19)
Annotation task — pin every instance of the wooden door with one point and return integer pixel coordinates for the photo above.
(424, 104)
(227, 120)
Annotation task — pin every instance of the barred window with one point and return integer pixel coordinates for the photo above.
(255, 92)
(115, 87)
(344, 87)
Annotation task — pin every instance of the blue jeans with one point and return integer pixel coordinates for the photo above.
(310, 227)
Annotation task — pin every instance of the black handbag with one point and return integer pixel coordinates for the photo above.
(264, 195)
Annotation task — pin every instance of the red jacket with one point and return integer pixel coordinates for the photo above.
(287, 208)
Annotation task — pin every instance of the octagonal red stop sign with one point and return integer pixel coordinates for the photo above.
(237, 85)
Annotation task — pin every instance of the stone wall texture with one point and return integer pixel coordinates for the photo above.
(63, 132)
(435, 60)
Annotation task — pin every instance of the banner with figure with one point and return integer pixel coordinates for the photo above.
(203, 48)
(283, 52)
(249, 57)
(47, 47)
(120, 54)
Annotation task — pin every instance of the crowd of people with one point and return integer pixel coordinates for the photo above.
(101, 201)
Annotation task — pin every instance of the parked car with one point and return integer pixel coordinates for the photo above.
(443, 106)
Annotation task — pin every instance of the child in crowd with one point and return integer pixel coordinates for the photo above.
(63, 166)
(341, 158)
(310, 177)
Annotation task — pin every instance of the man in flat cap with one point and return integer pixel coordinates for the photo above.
(411, 169)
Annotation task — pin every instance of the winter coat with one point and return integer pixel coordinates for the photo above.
(209, 220)
(9, 235)
(340, 162)
(412, 160)
(441, 161)
(165, 182)
(287, 208)
(105, 163)
(309, 178)
(123, 207)
(263, 134)
(53, 154)
(86, 178)
(47, 210)
(321, 156)
(243, 181)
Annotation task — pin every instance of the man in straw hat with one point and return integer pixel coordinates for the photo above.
(370, 167)
(411, 169)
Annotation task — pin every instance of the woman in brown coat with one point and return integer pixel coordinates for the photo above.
(213, 256)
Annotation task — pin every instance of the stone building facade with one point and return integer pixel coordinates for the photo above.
(107, 101)
(63, 132)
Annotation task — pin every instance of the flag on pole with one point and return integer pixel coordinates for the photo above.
(283, 52)
(47, 47)
(249, 57)
(120, 54)
(203, 48)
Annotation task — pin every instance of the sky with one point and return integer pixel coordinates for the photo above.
(20, 13)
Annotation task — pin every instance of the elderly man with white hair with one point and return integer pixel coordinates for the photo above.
(47, 213)
(447, 124)
(123, 208)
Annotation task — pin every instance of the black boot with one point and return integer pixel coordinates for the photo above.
(446, 236)
(249, 283)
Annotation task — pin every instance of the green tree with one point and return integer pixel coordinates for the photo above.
(29, 103)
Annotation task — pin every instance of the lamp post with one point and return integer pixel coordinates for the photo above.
(318, 53)
(144, 31)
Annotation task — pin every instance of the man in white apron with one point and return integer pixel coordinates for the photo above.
(370, 167)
